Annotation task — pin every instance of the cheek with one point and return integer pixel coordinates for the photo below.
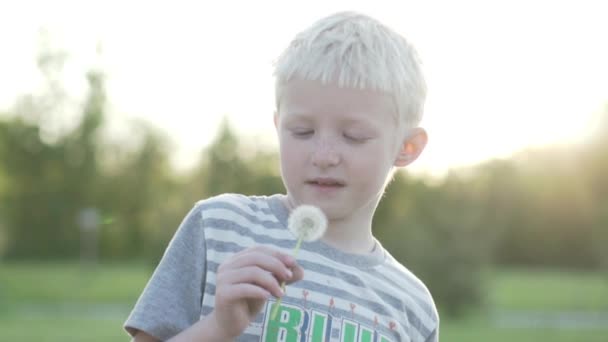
(288, 148)
(291, 155)
(376, 161)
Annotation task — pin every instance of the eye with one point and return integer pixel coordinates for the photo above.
(302, 133)
(355, 138)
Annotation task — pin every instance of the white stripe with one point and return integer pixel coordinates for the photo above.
(340, 284)
(230, 215)
(396, 277)
(242, 204)
(223, 234)
(411, 291)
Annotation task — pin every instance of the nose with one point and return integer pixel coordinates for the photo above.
(325, 154)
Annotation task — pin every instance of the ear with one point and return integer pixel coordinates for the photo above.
(412, 146)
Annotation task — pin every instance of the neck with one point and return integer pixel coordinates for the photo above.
(352, 234)
(347, 241)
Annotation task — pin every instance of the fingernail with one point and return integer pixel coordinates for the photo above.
(289, 274)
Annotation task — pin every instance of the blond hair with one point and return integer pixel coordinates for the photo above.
(357, 51)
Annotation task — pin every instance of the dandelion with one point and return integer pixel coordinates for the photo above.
(307, 223)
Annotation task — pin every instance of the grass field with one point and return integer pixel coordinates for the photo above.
(63, 302)
(549, 290)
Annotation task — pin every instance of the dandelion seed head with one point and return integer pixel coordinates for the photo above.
(307, 222)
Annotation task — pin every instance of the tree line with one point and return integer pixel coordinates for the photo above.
(544, 207)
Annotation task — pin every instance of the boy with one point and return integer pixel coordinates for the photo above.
(349, 96)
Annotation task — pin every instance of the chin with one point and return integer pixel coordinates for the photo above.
(333, 211)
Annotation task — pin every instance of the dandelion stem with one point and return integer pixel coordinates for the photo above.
(277, 304)
(297, 248)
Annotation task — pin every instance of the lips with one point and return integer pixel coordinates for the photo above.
(326, 182)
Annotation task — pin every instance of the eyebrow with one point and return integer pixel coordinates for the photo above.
(296, 116)
(359, 121)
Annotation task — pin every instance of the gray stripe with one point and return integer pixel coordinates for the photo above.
(222, 247)
(280, 212)
(328, 290)
(248, 338)
(403, 281)
(226, 246)
(206, 309)
(424, 304)
(357, 281)
(410, 280)
(413, 319)
(396, 303)
(360, 261)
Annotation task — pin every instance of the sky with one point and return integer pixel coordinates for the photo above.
(503, 75)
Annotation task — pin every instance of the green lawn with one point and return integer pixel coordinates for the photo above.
(66, 302)
(63, 302)
(51, 328)
(549, 290)
(479, 328)
(58, 283)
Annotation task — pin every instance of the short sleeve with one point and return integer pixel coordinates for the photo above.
(434, 337)
(171, 300)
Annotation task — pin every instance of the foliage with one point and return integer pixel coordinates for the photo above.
(542, 207)
(434, 231)
(48, 183)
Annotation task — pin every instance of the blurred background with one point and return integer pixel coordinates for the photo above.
(115, 118)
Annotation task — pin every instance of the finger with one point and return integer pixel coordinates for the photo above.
(259, 249)
(285, 258)
(298, 274)
(236, 292)
(251, 275)
(272, 263)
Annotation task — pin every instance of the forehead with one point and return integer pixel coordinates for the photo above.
(307, 97)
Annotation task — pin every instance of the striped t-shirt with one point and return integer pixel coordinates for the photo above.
(342, 297)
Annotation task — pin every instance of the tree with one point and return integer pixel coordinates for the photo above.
(48, 179)
(434, 230)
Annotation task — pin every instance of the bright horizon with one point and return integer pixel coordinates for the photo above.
(501, 78)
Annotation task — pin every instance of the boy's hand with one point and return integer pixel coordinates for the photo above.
(245, 281)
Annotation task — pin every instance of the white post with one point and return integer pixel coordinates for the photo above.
(88, 220)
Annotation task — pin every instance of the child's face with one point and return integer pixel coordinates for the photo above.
(337, 146)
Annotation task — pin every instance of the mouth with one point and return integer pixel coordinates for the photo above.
(326, 182)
